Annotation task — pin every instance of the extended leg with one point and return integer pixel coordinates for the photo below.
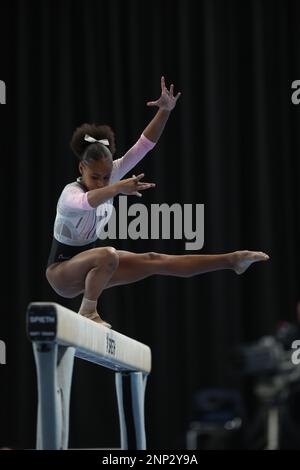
(136, 266)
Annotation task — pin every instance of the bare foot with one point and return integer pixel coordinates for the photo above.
(241, 260)
(94, 316)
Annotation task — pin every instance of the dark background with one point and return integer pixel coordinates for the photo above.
(232, 143)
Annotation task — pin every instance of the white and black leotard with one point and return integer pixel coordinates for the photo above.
(77, 224)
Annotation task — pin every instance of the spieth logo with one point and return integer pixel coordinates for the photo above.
(42, 319)
(110, 345)
(2, 92)
(2, 352)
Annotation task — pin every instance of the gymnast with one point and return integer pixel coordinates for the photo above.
(75, 265)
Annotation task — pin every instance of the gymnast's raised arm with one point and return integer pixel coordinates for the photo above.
(151, 134)
(166, 102)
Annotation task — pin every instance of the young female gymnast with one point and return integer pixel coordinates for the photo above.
(75, 265)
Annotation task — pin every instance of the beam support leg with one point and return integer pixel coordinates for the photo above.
(54, 365)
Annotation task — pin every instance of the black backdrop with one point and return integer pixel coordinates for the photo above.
(232, 143)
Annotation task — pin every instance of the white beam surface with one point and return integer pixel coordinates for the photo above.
(51, 322)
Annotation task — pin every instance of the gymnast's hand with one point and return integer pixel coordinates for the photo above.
(167, 100)
(133, 185)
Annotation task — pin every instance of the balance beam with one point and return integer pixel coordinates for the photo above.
(58, 335)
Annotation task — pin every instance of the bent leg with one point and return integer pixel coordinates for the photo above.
(88, 273)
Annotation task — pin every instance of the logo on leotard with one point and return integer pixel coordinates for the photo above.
(62, 257)
(2, 92)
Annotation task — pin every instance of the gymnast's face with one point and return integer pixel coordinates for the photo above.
(95, 174)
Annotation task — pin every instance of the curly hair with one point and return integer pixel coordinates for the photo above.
(92, 151)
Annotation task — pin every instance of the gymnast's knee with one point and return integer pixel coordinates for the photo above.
(109, 257)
